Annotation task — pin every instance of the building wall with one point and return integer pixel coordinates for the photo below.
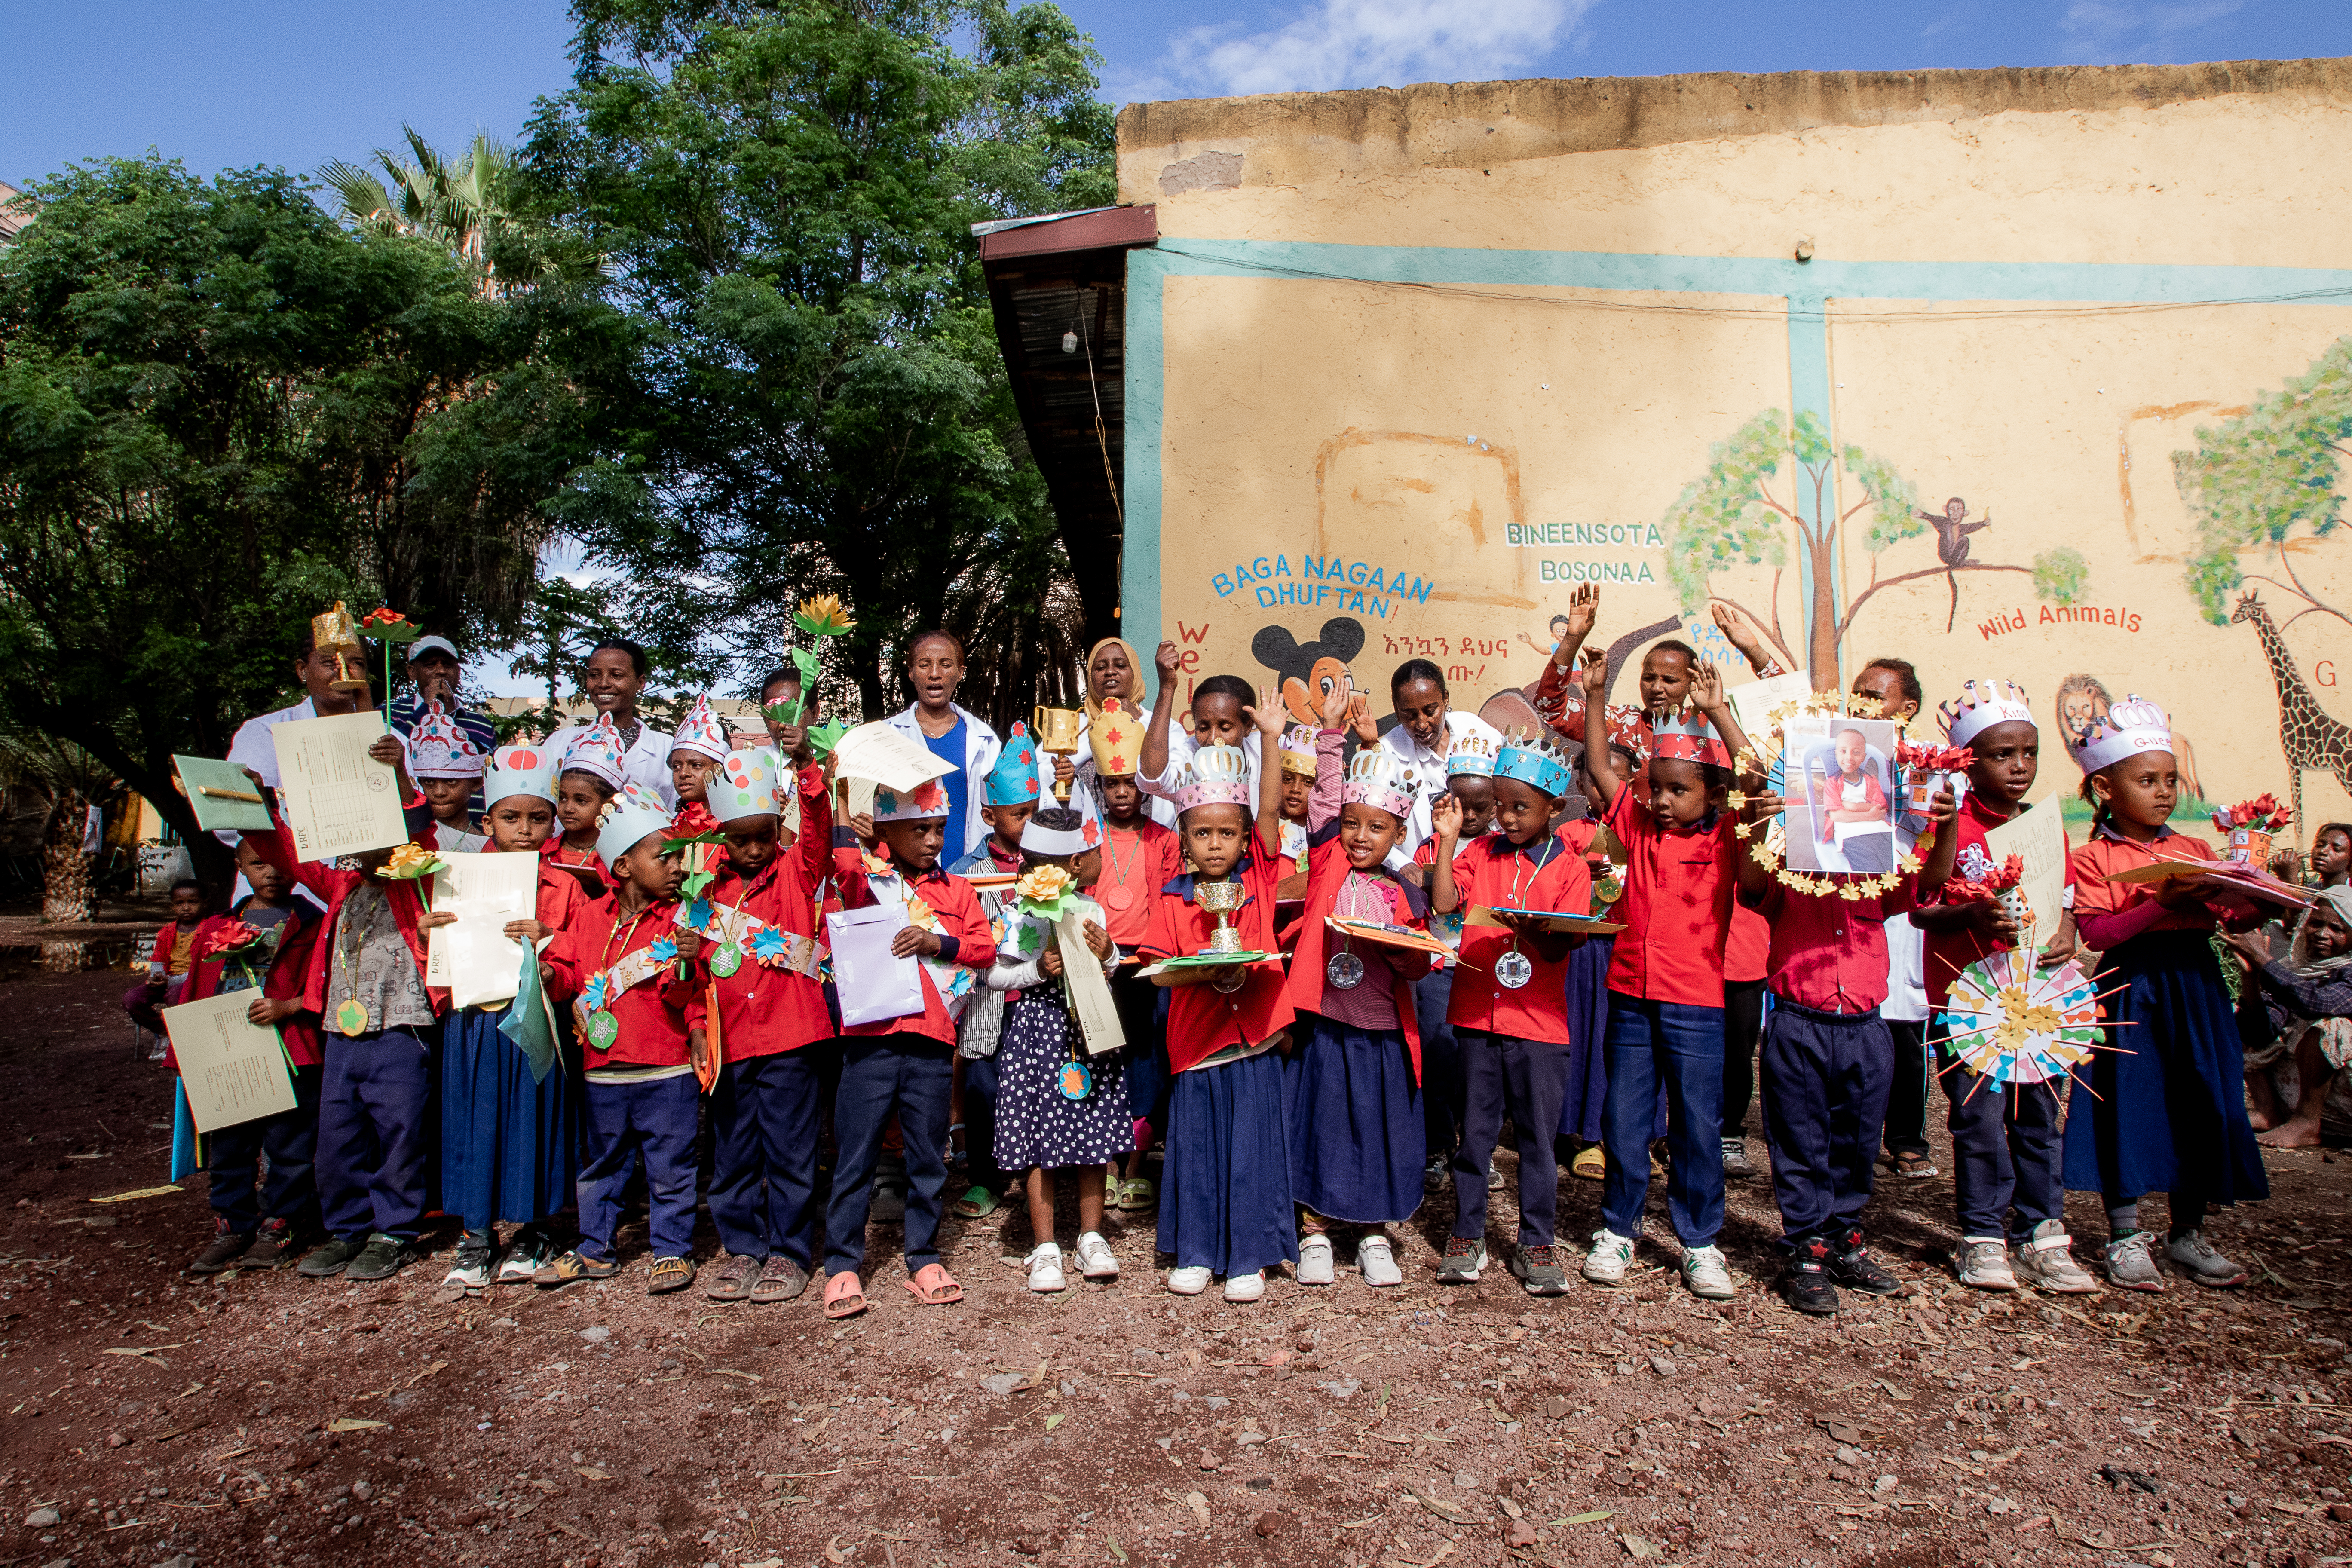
(2053, 394)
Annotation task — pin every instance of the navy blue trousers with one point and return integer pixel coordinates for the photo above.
(2006, 1149)
(375, 1131)
(911, 1075)
(764, 1113)
(1441, 1063)
(1825, 1080)
(289, 1141)
(623, 1121)
(980, 1089)
(1526, 1078)
(1680, 1046)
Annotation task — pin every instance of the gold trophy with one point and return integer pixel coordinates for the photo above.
(1060, 731)
(1221, 899)
(340, 635)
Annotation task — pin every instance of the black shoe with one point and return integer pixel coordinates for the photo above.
(1539, 1269)
(1853, 1266)
(223, 1251)
(328, 1259)
(381, 1259)
(1465, 1258)
(273, 1246)
(1805, 1282)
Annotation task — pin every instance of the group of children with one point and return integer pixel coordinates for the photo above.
(1336, 979)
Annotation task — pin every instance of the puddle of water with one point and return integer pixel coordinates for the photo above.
(18, 960)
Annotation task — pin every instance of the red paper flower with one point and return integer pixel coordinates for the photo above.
(233, 938)
(1986, 889)
(2264, 813)
(1932, 759)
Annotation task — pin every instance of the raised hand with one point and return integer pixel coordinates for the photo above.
(1166, 660)
(1583, 609)
(1268, 715)
(1360, 718)
(1706, 688)
(1596, 675)
(1336, 703)
(1445, 820)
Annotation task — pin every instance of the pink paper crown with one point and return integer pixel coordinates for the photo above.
(1983, 704)
(1298, 751)
(2129, 727)
(1216, 776)
(1377, 779)
(439, 749)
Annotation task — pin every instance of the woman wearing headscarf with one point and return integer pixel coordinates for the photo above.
(2306, 1000)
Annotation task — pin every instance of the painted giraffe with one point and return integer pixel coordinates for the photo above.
(2308, 734)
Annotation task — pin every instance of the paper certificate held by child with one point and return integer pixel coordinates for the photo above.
(338, 799)
(232, 1069)
(875, 983)
(474, 957)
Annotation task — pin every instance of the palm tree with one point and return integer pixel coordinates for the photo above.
(459, 204)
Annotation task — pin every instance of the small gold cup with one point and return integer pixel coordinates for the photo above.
(1060, 731)
(1221, 899)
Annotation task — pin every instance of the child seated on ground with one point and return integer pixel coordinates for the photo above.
(2306, 1001)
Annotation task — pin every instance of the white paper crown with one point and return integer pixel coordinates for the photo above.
(626, 820)
(1216, 776)
(520, 770)
(1040, 840)
(1471, 754)
(702, 732)
(1378, 778)
(439, 749)
(2129, 727)
(744, 785)
(1983, 704)
(597, 750)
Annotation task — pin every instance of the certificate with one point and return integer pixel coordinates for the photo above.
(887, 757)
(874, 983)
(232, 1069)
(1752, 702)
(339, 800)
(1089, 991)
(2037, 837)
(474, 957)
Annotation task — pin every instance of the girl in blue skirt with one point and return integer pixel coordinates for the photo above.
(2166, 1108)
(507, 1121)
(1353, 1081)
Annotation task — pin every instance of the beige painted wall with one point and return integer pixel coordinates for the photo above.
(1308, 415)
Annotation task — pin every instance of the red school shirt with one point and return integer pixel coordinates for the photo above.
(2108, 913)
(1135, 866)
(1829, 953)
(1944, 954)
(289, 968)
(1546, 873)
(764, 1010)
(966, 938)
(1203, 1020)
(1676, 910)
(1327, 872)
(652, 1013)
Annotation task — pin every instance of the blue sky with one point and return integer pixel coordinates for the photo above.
(234, 83)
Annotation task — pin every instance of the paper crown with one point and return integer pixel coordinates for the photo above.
(1116, 740)
(1298, 751)
(1686, 736)
(744, 785)
(702, 732)
(1470, 755)
(335, 630)
(927, 799)
(1213, 775)
(1983, 704)
(439, 749)
(1039, 839)
(2127, 729)
(1532, 759)
(1013, 780)
(626, 820)
(597, 750)
(520, 770)
(1378, 778)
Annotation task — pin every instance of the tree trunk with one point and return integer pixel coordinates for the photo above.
(66, 893)
(1821, 624)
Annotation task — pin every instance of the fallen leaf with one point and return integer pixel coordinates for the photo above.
(1054, 1420)
(428, 1372)
(1595, 1517)
(730, 1372)
(1443, 1509)
(354, 1424)
(1118, 1552)
(591, 1473)
(833, 1552)
(1637, 1548)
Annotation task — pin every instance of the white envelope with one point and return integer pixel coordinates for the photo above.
(873, 982)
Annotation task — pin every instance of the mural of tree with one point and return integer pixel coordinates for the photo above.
(2266, 478)
(1752, 502)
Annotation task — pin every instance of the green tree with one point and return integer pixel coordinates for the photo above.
(219, 411)
(1754, 497)
(785, 192)
(2266, 478)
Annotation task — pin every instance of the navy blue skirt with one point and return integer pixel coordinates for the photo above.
(1357, 1136)
(2170, 1116)
(1224, 1192)
(506, 1144)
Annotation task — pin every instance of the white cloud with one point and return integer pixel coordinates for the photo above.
(1334, 44)
(2117, 32)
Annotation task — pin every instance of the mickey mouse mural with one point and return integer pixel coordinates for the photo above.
(1310, 671)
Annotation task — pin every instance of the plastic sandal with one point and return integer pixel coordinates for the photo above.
(1138, 1193)
(844, 1295)
(978, 1203)
(934, 1286)
(1590, 1163)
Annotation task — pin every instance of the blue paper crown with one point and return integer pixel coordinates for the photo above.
(1013, 780)
(1533, 762)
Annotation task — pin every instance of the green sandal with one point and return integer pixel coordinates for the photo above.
(979, 1202)
(1138, 1193)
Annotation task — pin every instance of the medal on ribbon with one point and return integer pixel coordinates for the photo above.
(1076, 1081)
(352, 1018)
(1345, 971)
(1514, 970)
(726, 960)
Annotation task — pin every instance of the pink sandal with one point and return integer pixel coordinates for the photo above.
(934, 1286)
(844, 1295)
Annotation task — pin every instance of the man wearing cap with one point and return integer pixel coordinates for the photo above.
(432, 674)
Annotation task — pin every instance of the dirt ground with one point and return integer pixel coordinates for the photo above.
(152, 1419)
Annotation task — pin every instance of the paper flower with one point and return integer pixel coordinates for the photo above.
(1932, 759)
(696, 916)
(2262, 814)
(411, 861)
(389, 626)
(825, 736)
(786, 712)
(594, 994)
(1044, 891)
(1988, 887)
(770, 943)
(663, 948)
(235, 939)
(823, 617)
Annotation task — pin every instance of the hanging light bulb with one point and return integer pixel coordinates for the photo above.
(1070, 342)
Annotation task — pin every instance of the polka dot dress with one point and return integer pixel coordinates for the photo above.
(1036, 1125)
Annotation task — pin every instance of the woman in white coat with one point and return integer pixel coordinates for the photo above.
(615, 678)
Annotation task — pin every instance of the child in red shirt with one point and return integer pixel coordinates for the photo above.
(1140, 857)
(905, 1065)
(637, 969)
(758, 921)
(1226, 1207)
(1509, 1003)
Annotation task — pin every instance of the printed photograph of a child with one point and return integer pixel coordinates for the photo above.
(1841, 794)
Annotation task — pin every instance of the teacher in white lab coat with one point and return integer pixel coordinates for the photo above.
(1427, 723)
(615, 678)
(952, 734)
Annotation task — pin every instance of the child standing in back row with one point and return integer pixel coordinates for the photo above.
(2171, 1109)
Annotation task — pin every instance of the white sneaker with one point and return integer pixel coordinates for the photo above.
(2131, 1263)
(530, 1252)
(2045, 1262)
(470, 1270)
(1313, 1261)
(1611, 1256)
(2194, 1256)
(1247, 1286)
(1095, 1260)
(1190, 1280)
(1376, 1255)
(1706, 1273)
(1045, 1268)
(1984, 1265)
